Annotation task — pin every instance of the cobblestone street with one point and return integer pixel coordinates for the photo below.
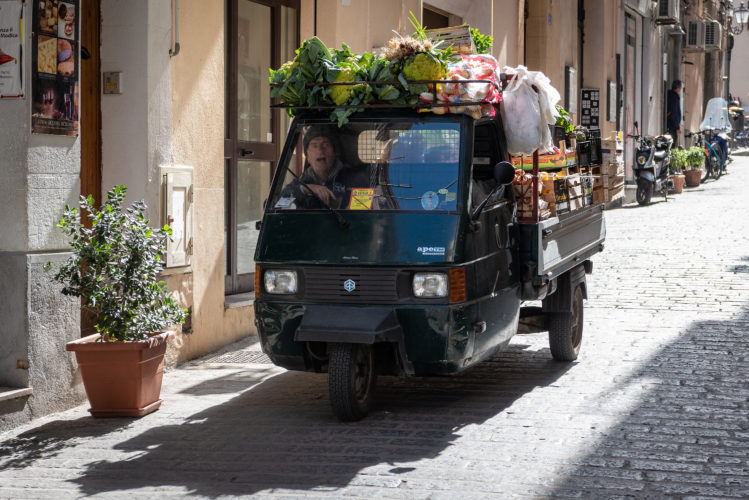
(657, 405)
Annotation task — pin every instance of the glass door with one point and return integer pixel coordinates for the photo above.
(260, 35)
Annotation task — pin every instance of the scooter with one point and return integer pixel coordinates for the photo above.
(650, 166)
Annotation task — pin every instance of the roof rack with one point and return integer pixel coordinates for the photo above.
(385, 105)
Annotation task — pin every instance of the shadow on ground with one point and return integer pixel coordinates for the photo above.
(53, 438)
(281, 433)
(688, 437)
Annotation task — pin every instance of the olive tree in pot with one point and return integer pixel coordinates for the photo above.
(114, 269)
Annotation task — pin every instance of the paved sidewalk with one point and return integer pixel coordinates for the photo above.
(656, 406)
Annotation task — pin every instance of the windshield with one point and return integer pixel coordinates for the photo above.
(716, 115)
(401, 165)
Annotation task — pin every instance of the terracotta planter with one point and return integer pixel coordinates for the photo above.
(693, 177)
(122, 379)
(678, 183)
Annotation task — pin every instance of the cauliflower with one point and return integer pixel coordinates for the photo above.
(341, 93)
(423, 67)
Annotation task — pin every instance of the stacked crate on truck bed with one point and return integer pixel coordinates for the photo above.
(609, 176)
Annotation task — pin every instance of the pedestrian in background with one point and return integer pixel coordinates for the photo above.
(673, 111)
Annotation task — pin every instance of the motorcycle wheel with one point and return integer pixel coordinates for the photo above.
(716, 165)
(644, 191)
(352, 379)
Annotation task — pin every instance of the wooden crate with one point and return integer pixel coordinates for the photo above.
(458, 36)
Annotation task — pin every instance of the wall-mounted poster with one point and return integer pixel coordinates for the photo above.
(11, 40)
(55, 67)
(590, 104)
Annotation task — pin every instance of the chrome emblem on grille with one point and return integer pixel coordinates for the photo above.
(349, 285)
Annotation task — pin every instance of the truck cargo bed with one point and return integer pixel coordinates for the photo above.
(553, 246)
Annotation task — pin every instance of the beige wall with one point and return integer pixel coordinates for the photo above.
(740, 68)
(551, 47)
(198, 141)
(599, 52)
(693, 90)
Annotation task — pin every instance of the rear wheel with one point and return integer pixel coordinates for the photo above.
(566, 329)
(644, 191)
(351, 380)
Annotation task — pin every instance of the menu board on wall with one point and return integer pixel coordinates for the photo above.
(590, 108)
(55, 67)
(11, 40)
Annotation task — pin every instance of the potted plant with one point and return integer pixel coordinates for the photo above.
(114, 269)
(694, 159)
(678, 162)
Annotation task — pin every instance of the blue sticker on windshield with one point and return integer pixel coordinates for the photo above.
(430, 200)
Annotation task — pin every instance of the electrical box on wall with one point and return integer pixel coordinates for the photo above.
(112, 82)
(177, 193)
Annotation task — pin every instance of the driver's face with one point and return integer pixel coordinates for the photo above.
(321, 156)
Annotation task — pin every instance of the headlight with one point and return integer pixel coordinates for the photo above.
(430, 285)
(280, 281)
(642, 159)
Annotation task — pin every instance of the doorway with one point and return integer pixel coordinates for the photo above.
(260, 35)
(90, 113)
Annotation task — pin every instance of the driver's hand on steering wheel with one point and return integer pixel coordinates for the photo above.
(322, 192)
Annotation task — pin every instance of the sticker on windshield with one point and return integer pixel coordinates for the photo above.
(450, 196)
(430, 200)
(284, 202)
(361, 199)
(431, 250)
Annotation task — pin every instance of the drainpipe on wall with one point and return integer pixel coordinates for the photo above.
(175, 24)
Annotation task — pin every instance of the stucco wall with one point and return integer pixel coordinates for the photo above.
(740, 68)
(198, 132)
(40, 176)
(136, 124)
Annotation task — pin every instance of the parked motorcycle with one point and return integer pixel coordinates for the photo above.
(650, 166)
(717, 124)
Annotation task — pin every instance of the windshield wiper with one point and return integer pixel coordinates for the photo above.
(343, 223)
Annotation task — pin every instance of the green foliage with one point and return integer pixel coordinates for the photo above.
(302, 82)
(115, 266)
(564, 120)
(695, 156)
(483, 43)
(678, 160)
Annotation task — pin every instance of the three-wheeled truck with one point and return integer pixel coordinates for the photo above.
(423, 266)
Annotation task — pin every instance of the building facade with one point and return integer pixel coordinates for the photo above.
(174, 104)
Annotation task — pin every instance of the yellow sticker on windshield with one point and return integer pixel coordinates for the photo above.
(361, 199)
(450, 196)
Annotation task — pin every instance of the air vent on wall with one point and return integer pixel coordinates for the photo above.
(668, 12)
(713, 35)
(695, 39)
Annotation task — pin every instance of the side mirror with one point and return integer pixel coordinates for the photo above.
(504, 173)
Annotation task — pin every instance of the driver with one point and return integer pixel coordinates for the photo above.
(325, 180)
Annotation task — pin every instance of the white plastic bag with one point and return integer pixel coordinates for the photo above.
(527, 114)
(521, 113)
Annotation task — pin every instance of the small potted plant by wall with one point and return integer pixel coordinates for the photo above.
(678, 162)
(694, 158)
(114, 268)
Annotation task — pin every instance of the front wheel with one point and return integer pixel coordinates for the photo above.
(566, 329)
(351, 380)
(716, 164)
(644, 191)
